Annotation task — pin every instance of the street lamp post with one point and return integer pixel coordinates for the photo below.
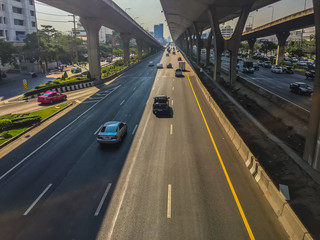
(272, 12)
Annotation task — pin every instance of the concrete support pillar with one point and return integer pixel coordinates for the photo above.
(218, 43)
(208, 47)
(198, 34)
(251, 43)
(125, 38)
(233, 44)
(92, 28)
(312, 147)
(187, 43)
(190, 43)
(139, 46)
(282, 38)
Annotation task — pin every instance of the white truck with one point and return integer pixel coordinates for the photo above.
(182, 66)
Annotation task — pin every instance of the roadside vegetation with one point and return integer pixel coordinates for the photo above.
(12, 125)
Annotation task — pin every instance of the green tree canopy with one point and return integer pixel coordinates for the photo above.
(6, 52)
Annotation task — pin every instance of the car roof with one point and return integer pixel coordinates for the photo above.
(161, 96)
(111, 123)
(49, 92)
(300, 83)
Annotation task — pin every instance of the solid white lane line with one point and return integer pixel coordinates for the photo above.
(102, 200)
(169, 202)
(95, 133)
(171, 129)
(23, 160)
(37, 200)
(134, 130)
(128, 176)
(122, 102)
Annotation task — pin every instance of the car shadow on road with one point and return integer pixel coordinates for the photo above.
(165, 115)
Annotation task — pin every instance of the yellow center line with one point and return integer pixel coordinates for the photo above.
(169, 202)
(244, 219)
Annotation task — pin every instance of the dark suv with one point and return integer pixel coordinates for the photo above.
(161, 104)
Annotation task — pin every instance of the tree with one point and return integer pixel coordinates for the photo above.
(6, 54)
(105, 49)
(268, 47)
(294, 49)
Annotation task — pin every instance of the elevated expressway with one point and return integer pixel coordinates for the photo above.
(188, 19)
(281, 28)
(96, 13)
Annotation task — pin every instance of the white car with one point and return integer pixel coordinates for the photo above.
(112, 132)
(276, 69)
(151, 64)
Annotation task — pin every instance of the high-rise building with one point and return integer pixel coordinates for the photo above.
(158, 32)
(17, 19)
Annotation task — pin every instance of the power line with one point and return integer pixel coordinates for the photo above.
(52, 21)
(53, 14)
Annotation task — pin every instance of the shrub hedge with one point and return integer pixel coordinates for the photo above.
(25, 121)
(5, 124)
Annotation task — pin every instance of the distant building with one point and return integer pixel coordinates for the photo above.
(158, 32)
(227, 31)
(17, 19)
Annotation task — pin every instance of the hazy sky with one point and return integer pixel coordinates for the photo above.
(148, 13)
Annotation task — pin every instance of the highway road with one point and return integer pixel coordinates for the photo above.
(274, 82)
(165, 181)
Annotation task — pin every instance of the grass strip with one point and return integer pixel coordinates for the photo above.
(44, 113)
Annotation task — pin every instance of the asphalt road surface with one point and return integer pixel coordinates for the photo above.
(165, 181)
(275, 82)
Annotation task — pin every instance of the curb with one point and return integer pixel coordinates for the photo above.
(287, 217)
(32, 127)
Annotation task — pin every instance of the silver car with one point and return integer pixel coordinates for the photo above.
(112, 132)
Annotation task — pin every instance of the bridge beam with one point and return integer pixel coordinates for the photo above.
(312, 147)
(125, 38)
(92, 28)
(251, 43)
(282, 38)
(208, 47)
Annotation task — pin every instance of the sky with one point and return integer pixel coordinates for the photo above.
(148, 13)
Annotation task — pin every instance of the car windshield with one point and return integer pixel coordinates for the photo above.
(304, 85)
(109, 128)
(160, 99)
(46, 94)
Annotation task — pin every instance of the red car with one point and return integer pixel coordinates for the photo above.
(50, 97)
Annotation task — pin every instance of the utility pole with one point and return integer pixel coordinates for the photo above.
(75, 38)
